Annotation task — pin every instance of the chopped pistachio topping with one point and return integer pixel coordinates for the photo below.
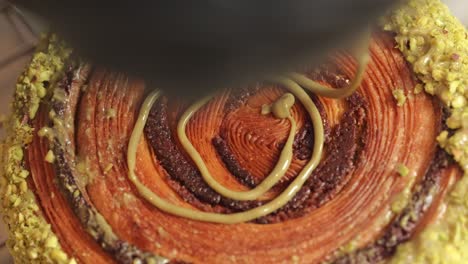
(399, 96)
(458, 118)
(108, 168)
(436, 44)
(43, 69)
(402, 170)
(31, 239)
(457, 145)
(50, 156)
(295, 259)
(401, 201)
(418, 88)
(47, 132)
(266, 109)
(111, 113)
(3, 118)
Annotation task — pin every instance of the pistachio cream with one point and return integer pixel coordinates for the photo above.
(280, 109)
(361, 53)
(251, 214)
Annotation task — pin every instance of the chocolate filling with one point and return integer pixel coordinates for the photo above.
(232, 164)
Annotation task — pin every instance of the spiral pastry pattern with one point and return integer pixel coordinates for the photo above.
(100, 168)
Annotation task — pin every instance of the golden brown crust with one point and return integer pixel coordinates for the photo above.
(108, 104)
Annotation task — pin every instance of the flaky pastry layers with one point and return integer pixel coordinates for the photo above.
(385, 184)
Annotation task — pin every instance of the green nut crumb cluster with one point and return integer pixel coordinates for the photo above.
(436, 44)
(399, 96)
(402, 170)
(31, 239)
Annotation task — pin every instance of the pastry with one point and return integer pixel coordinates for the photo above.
(360, 160)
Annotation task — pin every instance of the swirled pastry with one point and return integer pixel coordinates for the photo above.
(351, 162)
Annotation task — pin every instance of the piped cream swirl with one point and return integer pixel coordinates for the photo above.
(280, 109)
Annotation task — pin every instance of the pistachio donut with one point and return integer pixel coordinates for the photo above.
(359, 160)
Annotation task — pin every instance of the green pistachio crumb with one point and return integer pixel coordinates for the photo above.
(401, 201)
(402, 170)
(3, 119)
(32, 254)
(399, 96)
(266, 109)
(51, 242)
(151, 261)
(108, 168)
(58, 255)
(111, 113)
(418, 88)
(50, 157)
(436, 45)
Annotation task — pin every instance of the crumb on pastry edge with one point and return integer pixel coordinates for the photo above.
(435, 43)
(31, 238)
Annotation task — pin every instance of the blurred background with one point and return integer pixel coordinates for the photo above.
(19, 33)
